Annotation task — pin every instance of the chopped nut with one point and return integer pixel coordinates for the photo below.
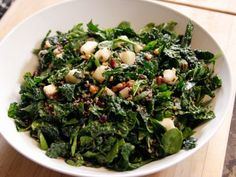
(93, 89)
(58, 50)
(60, 55)
(125, 92)
(111, 78)
(123, 85)
(138, 48)
(47, 44)
(118, 87)
(99, 102)
(105, 64)
(83, 57)
(148, 56)
(108, 91)
(130, 83)
(159, 80)
(87, 84)
(183, 65)
(156, 51)
(142, 76)
(130, 98)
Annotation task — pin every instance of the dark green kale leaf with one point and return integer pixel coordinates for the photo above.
(114, 151)
(124, 28)
(94, 31)
(168, 27)
(127, 124)
(187, 38)
(118, 105)
(50, 132)
(22, 120)
(204, 55)
(60, 111)
(149, 69)
(95, 110)
(30, 90)
(58, 75)
(58, 149)
(189, 143)
(163, 33)
(187, 132)
(68, 91)
(151, 46)
(95, 129)
(216, 83)
(76, 34)
(77, 160)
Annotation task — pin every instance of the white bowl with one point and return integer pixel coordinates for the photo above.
(16, 58)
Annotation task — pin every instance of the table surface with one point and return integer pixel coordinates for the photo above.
(220, 5)
(209, 160)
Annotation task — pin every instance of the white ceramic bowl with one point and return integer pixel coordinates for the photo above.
(16, 58)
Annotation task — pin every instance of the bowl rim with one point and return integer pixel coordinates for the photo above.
(228, 105)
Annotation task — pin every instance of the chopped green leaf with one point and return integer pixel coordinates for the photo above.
(172, 141)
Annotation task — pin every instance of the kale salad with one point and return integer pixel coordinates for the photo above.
(116, 98)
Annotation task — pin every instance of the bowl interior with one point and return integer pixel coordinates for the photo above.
(16, 58)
